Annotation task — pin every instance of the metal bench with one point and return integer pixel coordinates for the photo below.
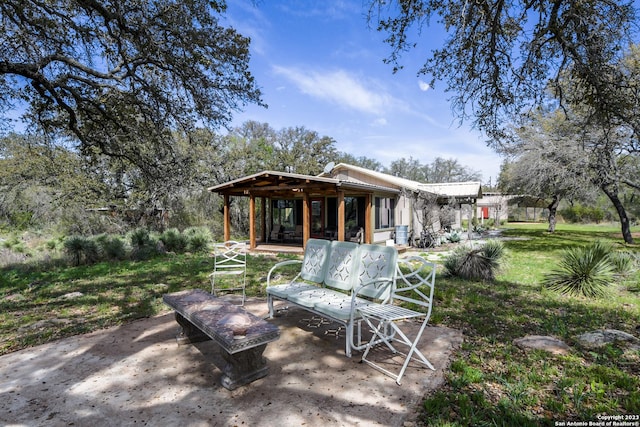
(242, 336)
(335, 279)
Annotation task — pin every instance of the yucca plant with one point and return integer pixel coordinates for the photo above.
(585, 271)
(475, 263)
(81, 248)
(174, 241)
(144, 246)
(112, 247)
(623, 263)
(198, 238)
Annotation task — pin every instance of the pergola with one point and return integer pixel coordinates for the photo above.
(281, 185)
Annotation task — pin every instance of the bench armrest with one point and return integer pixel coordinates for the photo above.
(282, 264)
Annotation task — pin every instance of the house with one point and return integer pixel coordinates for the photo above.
(493, 206)
(345, 202)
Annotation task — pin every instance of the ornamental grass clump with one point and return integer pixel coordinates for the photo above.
(478, 263)
(586, 271)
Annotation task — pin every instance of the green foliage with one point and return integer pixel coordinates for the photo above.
(143, 245)
(111, 247)
(475, 263)
(586, 271)
(198, 239)
(453, 237)
(20, 220)
(81, 249)
(174, 241)
(624, 262)
(582, 214)
(192, 239)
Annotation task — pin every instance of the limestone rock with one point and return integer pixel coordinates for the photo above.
(71, 295)
(541, 342)
(600, 338)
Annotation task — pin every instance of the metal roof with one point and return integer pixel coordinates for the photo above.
(470, 189)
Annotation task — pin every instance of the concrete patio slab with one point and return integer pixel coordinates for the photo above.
(136, 374)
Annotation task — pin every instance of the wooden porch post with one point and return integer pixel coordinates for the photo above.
(252, 221)
(263, 220)
(368, 229)
(226, 221)
(306, 219)
(340, 216)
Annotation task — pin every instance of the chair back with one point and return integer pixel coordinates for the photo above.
(415, 282)
(230, 255)
(315, 261)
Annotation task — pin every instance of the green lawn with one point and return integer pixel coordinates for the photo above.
(490, 382)
(493, 382)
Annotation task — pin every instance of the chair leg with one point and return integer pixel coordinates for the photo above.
(348, 339)
(413, 350)
(387, 337)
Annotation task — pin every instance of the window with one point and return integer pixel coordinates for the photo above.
(283, 213)
(351, 213)
(385, 212)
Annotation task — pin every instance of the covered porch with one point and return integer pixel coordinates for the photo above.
(298, 207)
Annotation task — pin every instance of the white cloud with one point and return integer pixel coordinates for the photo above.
(381, 121)
(424, 86)
(340, 87)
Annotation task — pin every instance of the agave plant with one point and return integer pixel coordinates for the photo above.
(586, 271)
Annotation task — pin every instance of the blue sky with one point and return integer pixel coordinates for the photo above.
(320, 66)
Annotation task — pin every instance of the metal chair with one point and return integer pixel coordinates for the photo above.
(414, 285)
(230, 259)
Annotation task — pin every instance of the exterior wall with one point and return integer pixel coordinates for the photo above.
(495, 206)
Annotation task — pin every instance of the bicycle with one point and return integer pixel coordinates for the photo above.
(426, 240)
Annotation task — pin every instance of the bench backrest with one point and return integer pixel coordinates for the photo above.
(375, 262)
(350, 265)
(341, 265)
(315, 261)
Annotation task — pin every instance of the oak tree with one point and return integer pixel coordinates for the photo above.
(118, 78)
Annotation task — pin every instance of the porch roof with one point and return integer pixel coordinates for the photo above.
(282, 184)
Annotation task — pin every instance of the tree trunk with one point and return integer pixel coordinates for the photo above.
(553, 208)
(624, 220)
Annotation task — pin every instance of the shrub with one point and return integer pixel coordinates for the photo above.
(198, 238)
(623, 262)
(111, 247)
(143, 245)
(586, 271)
(475, 263)
(139, 238)
(81, 249)
(582, 214)
(174, 241)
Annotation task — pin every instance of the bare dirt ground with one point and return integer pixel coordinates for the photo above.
(136, 374)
